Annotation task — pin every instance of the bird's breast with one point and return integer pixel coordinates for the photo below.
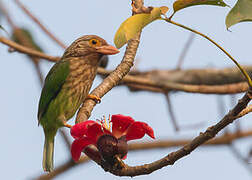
(77, 85)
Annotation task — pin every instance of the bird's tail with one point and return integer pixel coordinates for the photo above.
(48, 153)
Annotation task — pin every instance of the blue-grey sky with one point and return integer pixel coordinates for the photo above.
(161, 44)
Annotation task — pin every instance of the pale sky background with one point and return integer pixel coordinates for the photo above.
(161, 44)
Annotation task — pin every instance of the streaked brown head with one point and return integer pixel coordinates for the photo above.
(89, 45)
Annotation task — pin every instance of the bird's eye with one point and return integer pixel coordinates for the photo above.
(94, 42)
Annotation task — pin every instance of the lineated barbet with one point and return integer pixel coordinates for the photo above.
(67, 85)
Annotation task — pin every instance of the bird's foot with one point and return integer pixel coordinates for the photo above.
(95, 98)
(67, 125)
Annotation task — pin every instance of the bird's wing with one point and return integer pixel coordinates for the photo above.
(53, 84)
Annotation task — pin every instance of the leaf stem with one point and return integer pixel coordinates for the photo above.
(212, 41)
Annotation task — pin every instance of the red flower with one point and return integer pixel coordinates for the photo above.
(124, 129)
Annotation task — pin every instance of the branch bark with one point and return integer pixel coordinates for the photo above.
(219, 141)
(116, 76)
(153, 85)
(28, 51)
(171, 158)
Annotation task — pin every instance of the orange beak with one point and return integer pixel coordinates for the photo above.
(107, 50)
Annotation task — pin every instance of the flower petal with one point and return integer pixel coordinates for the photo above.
(77, 146)
(124, 157)
(120, 124)
(138, 129)
(78, 130)
(95, 131)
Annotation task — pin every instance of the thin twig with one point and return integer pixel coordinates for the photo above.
(239, 157)
(171, 112)
(185, 50)
(38, 22)
(217, 45)
(39, 73)
(7, 15)
(62, 168)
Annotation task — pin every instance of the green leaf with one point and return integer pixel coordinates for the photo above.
(131, 26)
(24, 37)
(181, 4)
(1, 27)
(242, 11)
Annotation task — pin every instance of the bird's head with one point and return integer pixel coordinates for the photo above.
(90, 45)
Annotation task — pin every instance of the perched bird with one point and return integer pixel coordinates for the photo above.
(66, 86)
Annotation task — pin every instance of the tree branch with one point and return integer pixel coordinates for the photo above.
(205, 76)
(151, 83)
(26, 50)
(113, 79)
(185, 50)
(205, 81)
(7, 15)
(217, 45)
(62, 168)
(171, 158)
(40, 24)
(171, 112)
(219, 141)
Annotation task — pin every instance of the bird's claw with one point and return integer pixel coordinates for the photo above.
(67, 125)
(95, 98)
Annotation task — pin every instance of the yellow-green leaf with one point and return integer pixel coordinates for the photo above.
(131, 26)
(181, 4)
(242, 11)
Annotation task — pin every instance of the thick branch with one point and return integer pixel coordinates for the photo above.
(116, 76)
(148, 85)
(221, 140)
(111, 81)
(171, 158)
(206, 76)
(161, 83)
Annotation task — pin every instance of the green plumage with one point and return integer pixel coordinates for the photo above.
(51, 122)
(53, 84)
(66, 86)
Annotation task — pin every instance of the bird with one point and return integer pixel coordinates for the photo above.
(67, 85)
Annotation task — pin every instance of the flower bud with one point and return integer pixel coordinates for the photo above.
(122, 147)
(107, 146)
